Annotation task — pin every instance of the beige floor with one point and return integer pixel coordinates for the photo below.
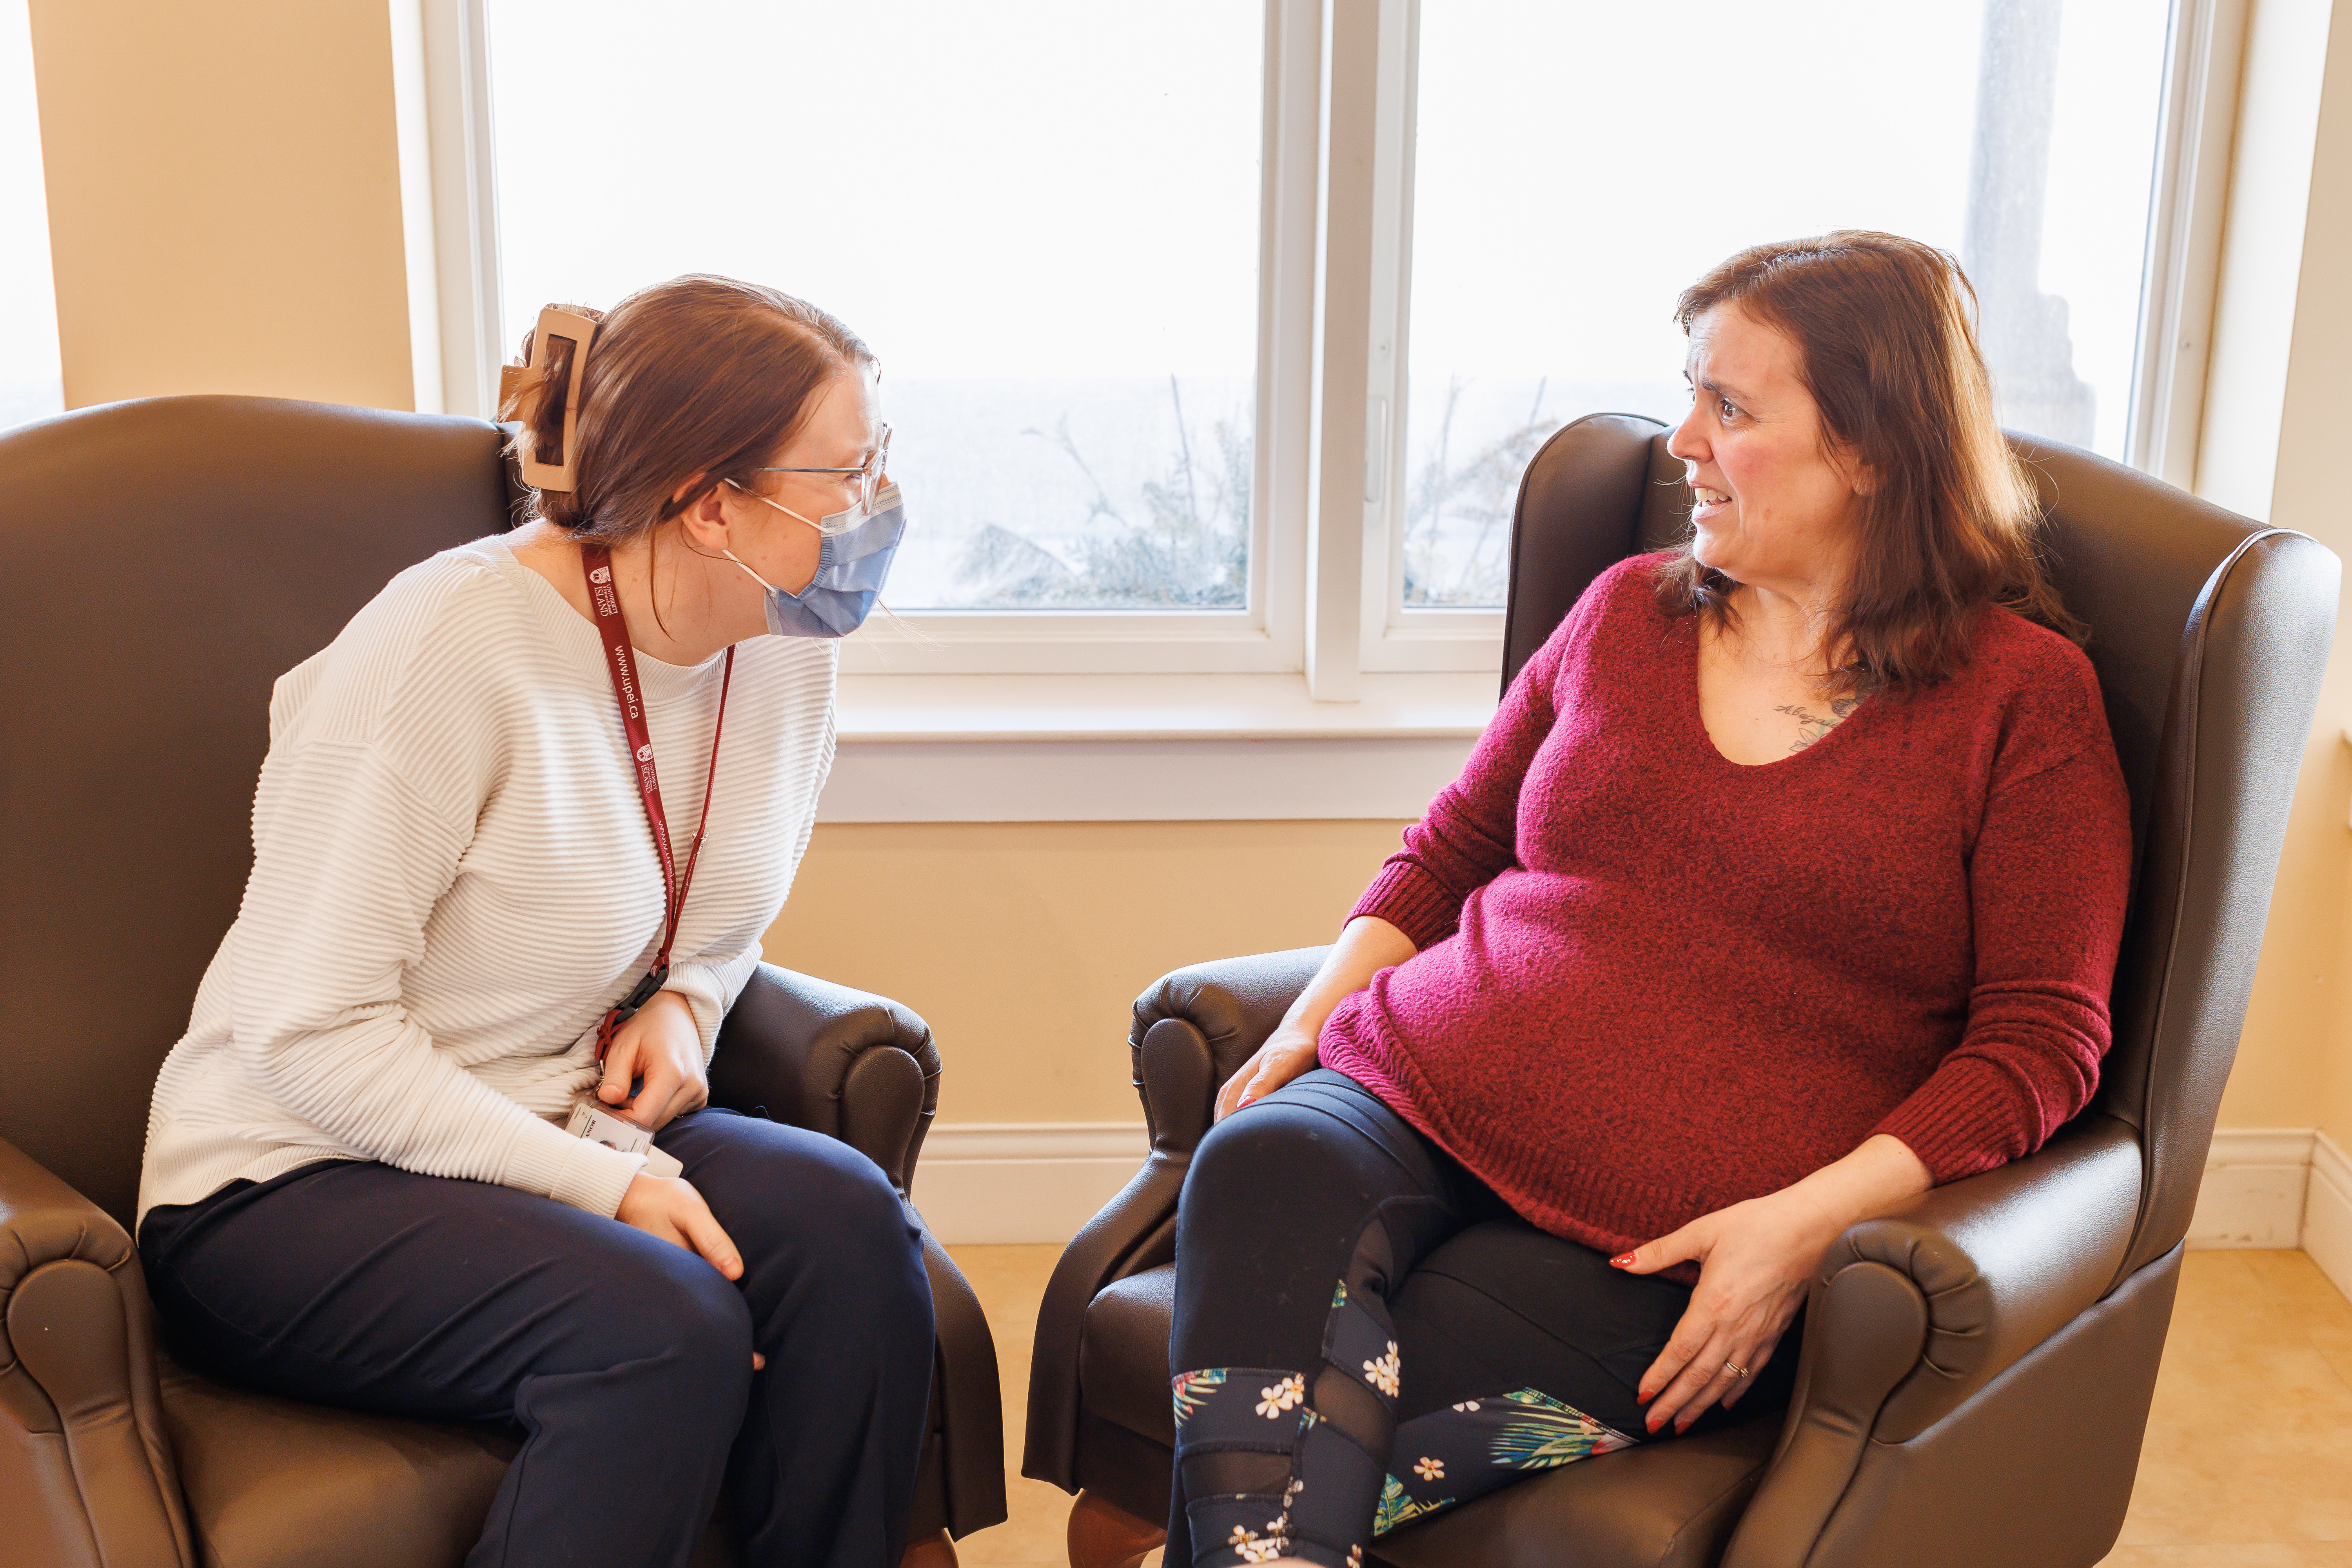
(2247, 1462)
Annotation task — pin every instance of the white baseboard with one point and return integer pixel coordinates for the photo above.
(1022, 1181)
(2328, 1212)
(2252, 1195)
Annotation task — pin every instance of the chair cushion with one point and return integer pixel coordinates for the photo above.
(1123, 1354)
(1661, 1505)
(1664, 1505)
(271, 1483)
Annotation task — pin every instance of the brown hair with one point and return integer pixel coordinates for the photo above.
(699, 376)
(1886, 344)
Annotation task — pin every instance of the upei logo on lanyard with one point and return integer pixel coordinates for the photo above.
(612, 629)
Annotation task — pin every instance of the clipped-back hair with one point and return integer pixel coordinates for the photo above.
(698, 376)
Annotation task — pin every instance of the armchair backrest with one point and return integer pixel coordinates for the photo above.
(2208, 631)
(164, 561)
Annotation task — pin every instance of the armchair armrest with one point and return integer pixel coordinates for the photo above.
(864, 1069)
(86, 1471)
(1229, 1005)
(1915, 1312)
(1189, 1031)
(843, 1062)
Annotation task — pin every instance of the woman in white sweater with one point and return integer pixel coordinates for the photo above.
(477, 908)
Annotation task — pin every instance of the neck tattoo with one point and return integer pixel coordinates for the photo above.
(1812, 726)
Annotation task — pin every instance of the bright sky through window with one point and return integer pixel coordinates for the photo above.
(1580, 163)
(29, 385)
(1042, 217)
(1044, 220)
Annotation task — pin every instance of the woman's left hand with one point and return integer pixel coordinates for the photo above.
(1756, 1260)
(662, 1046)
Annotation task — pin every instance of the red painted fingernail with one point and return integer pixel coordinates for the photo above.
(1623, 1260)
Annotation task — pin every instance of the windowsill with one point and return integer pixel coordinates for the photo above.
(1142, 748)
(1031, 707)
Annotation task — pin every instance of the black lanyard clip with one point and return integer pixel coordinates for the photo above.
(646, 989)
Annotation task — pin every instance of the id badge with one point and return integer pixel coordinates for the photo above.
(592, 1122)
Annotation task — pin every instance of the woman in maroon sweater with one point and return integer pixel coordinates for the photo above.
(1786, 883)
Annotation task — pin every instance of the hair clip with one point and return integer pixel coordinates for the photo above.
(512, 378)
(579, 331)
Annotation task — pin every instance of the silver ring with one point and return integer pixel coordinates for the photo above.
(1735, 1371)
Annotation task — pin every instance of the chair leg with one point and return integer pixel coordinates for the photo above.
(1105, 1535)
(932, 1550)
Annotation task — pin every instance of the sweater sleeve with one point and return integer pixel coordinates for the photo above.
(2049, 885)
(1469, 833)
(710, 987)
(348, 864)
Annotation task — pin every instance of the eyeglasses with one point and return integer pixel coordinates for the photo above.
(868, 478)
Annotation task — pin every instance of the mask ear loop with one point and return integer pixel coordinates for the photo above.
(763, 500)
(579, 331)
(781, 507)
(755, 577)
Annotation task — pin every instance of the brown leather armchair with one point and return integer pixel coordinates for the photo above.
(165, 562)
(1976, 1370)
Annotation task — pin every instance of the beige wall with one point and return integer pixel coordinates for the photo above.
(1024, 943)
(224, 187)
(2272, 447)
(2313, 491)
(2309, 494)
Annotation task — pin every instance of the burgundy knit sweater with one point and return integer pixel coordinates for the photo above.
(1653, 981)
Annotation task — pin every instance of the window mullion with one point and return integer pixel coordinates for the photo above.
(1386, 386)
(2184, 242)
(465, 205)
(1350, 105)
(1286, 322)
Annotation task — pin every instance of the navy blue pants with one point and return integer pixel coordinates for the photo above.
(1366, 1335)
(625, 1359)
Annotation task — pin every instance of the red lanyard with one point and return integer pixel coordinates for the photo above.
(612, 629)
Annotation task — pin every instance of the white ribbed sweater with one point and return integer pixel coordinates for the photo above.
(453, 879)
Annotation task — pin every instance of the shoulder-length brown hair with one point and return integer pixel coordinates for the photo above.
(1887, 345)
(701, 375)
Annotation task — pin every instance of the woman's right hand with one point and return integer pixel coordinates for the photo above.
(1367, 945)
(1287, 1052)
(669, 1207)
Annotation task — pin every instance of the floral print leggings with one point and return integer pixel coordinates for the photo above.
(1366, 1335)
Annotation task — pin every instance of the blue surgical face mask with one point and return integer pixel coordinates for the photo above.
(850, 567)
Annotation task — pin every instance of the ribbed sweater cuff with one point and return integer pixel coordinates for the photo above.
(705, 998)
(1413, 902)
(1964, 1121)
(549, 1161)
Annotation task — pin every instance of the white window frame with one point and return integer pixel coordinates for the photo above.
(1396, 636)
(1325, 606)
(449, 205)
(1357, 625)
(2181, 274)
(1264, 636)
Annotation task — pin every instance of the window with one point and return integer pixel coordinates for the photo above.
(1625, 150)
(1162, 292)
(30, 382)
(1044, 220)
